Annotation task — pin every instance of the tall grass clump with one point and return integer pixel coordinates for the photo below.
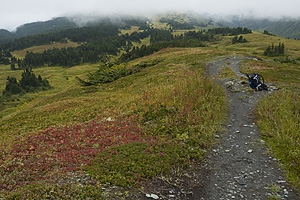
(278, 118)
(191, 110)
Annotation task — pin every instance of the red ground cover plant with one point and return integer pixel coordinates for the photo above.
(58, 150)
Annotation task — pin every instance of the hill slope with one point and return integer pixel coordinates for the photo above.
(50, 26)
(286, 27)
(72, 140)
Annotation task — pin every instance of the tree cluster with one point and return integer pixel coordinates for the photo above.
(274, 50)
(237, 39)
(88, 52)
(84, 34)
(161, 39)
(268, 33)
(28, 83)
(137, 52)
(4, 56)
(229, 31)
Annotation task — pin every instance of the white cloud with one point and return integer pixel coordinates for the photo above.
(16, 12)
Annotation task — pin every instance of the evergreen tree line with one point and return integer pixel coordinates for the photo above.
(88, 52)
(84, 34)
(95, 50)
(157, 42)
(237, 39)
(229, 31)
(274, 50)
(4, 56)
(28, 83)
(137, 52)
(268, 33)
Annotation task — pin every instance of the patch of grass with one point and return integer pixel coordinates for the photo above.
(67, 191)
(42, 48)
(190, 110)
(274, 189)
(278, 114)
(130, 31)
(227, 73)
(278, 119)
(66, 119)
(126, 165)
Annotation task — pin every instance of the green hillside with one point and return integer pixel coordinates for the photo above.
(285, 27)
(158, 106)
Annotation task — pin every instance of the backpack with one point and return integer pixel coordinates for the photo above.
(256, 82)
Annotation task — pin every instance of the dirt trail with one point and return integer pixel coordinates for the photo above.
(239, 167)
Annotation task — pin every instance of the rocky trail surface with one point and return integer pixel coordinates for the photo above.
(239, 165)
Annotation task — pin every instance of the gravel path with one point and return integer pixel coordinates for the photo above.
(239, 166)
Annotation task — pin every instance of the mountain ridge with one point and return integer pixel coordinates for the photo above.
(284, 27)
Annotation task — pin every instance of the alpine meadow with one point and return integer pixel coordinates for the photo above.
(120, 108)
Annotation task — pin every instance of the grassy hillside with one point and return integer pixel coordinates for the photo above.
(284, 27)
(160, 113)
(112, 133)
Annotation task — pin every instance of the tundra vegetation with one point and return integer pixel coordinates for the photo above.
(120, 113)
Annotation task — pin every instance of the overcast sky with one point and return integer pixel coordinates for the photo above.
(17, 12)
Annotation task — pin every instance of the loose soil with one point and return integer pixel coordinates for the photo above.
(239, 166)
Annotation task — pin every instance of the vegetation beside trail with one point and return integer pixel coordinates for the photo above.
(166, 114)
(278, 119)
(278, 114)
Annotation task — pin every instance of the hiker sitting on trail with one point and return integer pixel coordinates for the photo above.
(256, 82)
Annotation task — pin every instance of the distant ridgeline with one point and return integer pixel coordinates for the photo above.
(96, 42)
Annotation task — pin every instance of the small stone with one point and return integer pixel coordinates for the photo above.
(153, 196)
(250, 151)
(245, 125)
(217, 136)
(237, 131)
(227, 150)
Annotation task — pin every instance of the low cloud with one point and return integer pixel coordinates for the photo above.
(17, 12)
